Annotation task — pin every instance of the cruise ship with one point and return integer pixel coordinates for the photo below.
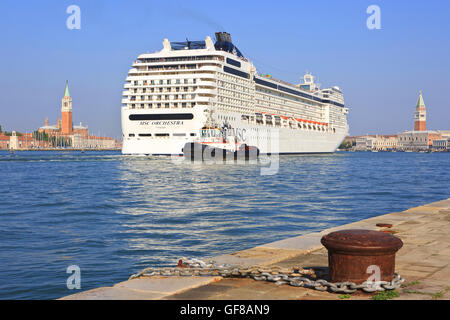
(172, 94)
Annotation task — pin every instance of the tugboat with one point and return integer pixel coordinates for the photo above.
(215, 144)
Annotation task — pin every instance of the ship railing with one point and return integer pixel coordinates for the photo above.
(280, 81)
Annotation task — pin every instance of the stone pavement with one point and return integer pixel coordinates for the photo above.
(424, 262)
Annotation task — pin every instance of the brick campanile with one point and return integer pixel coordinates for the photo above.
(420, 116)
(66, 112)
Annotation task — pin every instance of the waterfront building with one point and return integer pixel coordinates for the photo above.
(419, 139)
(4, 141)
(64, 126)
(441, 144)
(62, 135)
(93, 142)
(363, 143)
(376, 143)
(385, 142)
(445, 133)
(65, 134)
(14, 141)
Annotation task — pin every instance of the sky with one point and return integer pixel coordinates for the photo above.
(379, 71)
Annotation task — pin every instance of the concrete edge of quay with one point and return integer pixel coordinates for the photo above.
(418, 227)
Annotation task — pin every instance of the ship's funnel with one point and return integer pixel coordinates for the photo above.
(223, 37)
(224, 43)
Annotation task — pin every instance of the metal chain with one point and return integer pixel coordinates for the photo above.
(295, 276)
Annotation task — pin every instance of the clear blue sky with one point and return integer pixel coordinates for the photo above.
(380, 71)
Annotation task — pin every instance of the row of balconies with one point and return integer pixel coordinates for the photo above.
(239, 82)
(189, 91)
(164, 105)
(174, 85)
(160, 99)
(196, 99)
(202, 76)
(182, 69)
(235, 93)
(291, 110)
(162, 90)
(286, 124)
(184, 61)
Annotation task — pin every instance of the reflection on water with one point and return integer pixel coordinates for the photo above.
(113, 215)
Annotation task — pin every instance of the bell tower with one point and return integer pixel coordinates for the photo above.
(66, 112)
(420, 116)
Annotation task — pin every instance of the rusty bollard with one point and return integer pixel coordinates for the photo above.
(351, 252)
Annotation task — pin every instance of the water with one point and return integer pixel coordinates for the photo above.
(114, 215)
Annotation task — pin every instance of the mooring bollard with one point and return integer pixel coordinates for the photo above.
(351, 253)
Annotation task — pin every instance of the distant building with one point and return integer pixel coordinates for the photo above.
(66, 112)
(420, 139)
(420, 115)
(78, 136)
(81, 130)
(417, 140)
(14, 141)
(376, 143)
(64, 126)
(62, 135)
(363, 143)
(92, 142)
(441, 144)
(4, 141)
(385, 142)
(445, 133)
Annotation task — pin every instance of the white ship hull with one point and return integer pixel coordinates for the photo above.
(267, 140)
(290, 142)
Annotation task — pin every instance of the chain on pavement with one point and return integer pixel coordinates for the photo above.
(297, 277)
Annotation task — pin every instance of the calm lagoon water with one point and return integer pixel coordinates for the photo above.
(114, 215)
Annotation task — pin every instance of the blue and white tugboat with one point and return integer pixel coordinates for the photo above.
(216, 144)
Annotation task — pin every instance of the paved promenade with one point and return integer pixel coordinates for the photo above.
(424, 262)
